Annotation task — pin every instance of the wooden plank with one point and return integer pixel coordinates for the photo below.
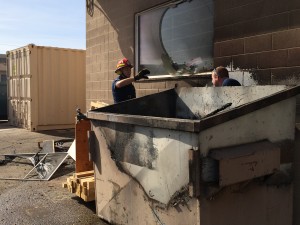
(88, 191)
(70, 184)
(88, 195)
(65, 185)
(78, 190)
(84, 174)
(97, 104)
(82, 151)
(91, 184)
(82, 184)
(87, 181)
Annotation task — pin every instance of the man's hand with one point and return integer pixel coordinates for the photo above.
(142, 74)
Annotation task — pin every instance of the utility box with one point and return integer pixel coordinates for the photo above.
(195, 156)
(45, 86)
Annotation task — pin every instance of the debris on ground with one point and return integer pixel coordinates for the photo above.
(45, 162)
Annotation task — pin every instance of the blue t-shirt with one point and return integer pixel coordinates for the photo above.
(124, 93)
(231, 82)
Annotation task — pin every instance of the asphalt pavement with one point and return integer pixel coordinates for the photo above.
(26, 202)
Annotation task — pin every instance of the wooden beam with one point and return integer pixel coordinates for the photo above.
(83, 162)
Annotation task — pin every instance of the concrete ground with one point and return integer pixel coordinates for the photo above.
(38, 202)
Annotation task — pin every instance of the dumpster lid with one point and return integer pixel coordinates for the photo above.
(176, 109)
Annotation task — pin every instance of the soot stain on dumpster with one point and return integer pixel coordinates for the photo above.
(153, 151)
(123, 139)
(141, 152)
(126, 145)
(117, 137)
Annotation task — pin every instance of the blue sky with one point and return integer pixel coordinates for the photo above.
(56, 23)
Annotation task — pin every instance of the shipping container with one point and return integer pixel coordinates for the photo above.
(45, 86)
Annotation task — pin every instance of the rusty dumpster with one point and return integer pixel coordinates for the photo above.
(198, 155)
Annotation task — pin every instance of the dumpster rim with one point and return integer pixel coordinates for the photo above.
(196, 125)
(149, 121)
(246, 108)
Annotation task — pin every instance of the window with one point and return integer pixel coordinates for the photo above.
(176, 38)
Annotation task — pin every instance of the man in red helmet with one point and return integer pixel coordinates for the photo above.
(122, 87)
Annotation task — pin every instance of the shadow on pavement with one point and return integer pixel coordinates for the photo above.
(67, 133)
(90, 205)
(5, 125)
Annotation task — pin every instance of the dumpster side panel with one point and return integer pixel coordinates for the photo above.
(109, 180)
(275, 123)
(121, 199)
(145, 172)
(157, 158)
(245, 162)
(202, 101)
(249, 204)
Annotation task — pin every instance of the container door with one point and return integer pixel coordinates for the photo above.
(19, 88)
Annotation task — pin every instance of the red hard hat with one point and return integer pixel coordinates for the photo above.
(123, 63)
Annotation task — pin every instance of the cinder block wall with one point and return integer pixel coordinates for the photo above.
(260, 37)
(110, 37)
(259, 40)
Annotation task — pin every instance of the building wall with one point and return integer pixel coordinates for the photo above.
(260, 37)
(258, 40)
(110, 37)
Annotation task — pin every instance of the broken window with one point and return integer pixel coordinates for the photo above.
(176, 38)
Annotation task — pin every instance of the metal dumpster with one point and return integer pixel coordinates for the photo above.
(195, 156)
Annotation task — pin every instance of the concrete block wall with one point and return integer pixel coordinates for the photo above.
(110, 37)
(259, 37)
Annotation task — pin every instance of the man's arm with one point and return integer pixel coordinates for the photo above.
(141, 75)
(124, 82)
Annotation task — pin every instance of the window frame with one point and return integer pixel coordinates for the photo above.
(137, 37)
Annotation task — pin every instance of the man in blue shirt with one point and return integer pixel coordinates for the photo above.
(220, 77)
(122, 87)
